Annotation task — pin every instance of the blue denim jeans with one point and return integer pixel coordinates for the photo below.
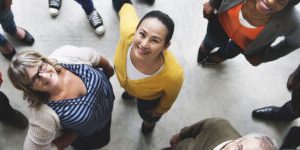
(87, 5)
(217, 37)
(146, 105)
(7, 23)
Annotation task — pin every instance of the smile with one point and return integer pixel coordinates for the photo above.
(264, 7)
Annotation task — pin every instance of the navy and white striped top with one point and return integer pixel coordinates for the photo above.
(89, 113)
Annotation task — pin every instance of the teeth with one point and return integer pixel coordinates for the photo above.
(264, 6)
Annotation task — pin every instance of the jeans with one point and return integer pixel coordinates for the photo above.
(146, 105)
(8, 24)
(87, 5)
(217, 37)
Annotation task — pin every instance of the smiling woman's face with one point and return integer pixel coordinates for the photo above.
(270, 7)
(43, 77)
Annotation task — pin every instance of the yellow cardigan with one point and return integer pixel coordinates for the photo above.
(164, 85)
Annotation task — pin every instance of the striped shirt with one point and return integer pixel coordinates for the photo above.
(89, 113)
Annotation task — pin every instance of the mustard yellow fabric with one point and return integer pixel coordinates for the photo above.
(164, 85)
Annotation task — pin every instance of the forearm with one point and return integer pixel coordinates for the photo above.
(277, 51)
(65, 140)
(105, 65)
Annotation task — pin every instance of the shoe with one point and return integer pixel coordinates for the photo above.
(96, 22)
(28, 39)
(54, 7)
(8, 47)
(147, 129)
(127, 96)
(271, 113)
(18, 121)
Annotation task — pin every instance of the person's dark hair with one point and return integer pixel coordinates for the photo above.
(164, 18)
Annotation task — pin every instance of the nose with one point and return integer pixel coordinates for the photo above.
(144, 43)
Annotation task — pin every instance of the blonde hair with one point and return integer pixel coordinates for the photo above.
(18, 75)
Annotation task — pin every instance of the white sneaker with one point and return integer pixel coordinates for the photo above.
(96, 22)
(54, 7)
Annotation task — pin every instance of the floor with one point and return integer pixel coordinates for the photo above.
(230, 90)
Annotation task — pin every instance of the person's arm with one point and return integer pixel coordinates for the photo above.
(43, 127)
(65, 140)
(208, 10)
(196, 129)
(128, 21)
(105, 65)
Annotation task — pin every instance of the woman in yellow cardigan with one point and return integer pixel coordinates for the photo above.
(144, 67)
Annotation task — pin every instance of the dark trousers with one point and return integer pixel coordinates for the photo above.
(292, 139)
(87, 5)
(95, 140)
(291, 110)
(146, 105)
(217, 37)
(6, 111)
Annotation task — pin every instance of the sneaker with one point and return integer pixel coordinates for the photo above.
(96, 22)
(54, 7)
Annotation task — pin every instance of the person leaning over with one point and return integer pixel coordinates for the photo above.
(218, 134)
(69, 92)
(143, 65)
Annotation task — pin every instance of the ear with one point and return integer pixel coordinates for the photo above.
(167, 45)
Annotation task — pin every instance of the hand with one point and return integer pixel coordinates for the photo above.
(7, 4)
(175, 139)
(294, 80)
(254, 60)
(208, 10)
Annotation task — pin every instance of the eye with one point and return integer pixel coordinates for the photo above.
(142, 34)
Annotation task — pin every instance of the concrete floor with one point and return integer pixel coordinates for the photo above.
(230, 90)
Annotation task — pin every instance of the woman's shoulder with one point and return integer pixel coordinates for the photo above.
(44, 116)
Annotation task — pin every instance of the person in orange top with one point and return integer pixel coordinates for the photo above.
(249, 27)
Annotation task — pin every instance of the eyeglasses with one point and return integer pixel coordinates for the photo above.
(42, 68)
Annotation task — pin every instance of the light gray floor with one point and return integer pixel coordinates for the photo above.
(231, 90)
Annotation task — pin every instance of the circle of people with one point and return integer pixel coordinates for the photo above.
(71, 98)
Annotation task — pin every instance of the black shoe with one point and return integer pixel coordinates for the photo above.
(127, 96)
(291, 141)
(18, 121)
(271, 113)
(54, 7)
(28, 39)
(147, 130)
(96, 22)
(10, 55)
